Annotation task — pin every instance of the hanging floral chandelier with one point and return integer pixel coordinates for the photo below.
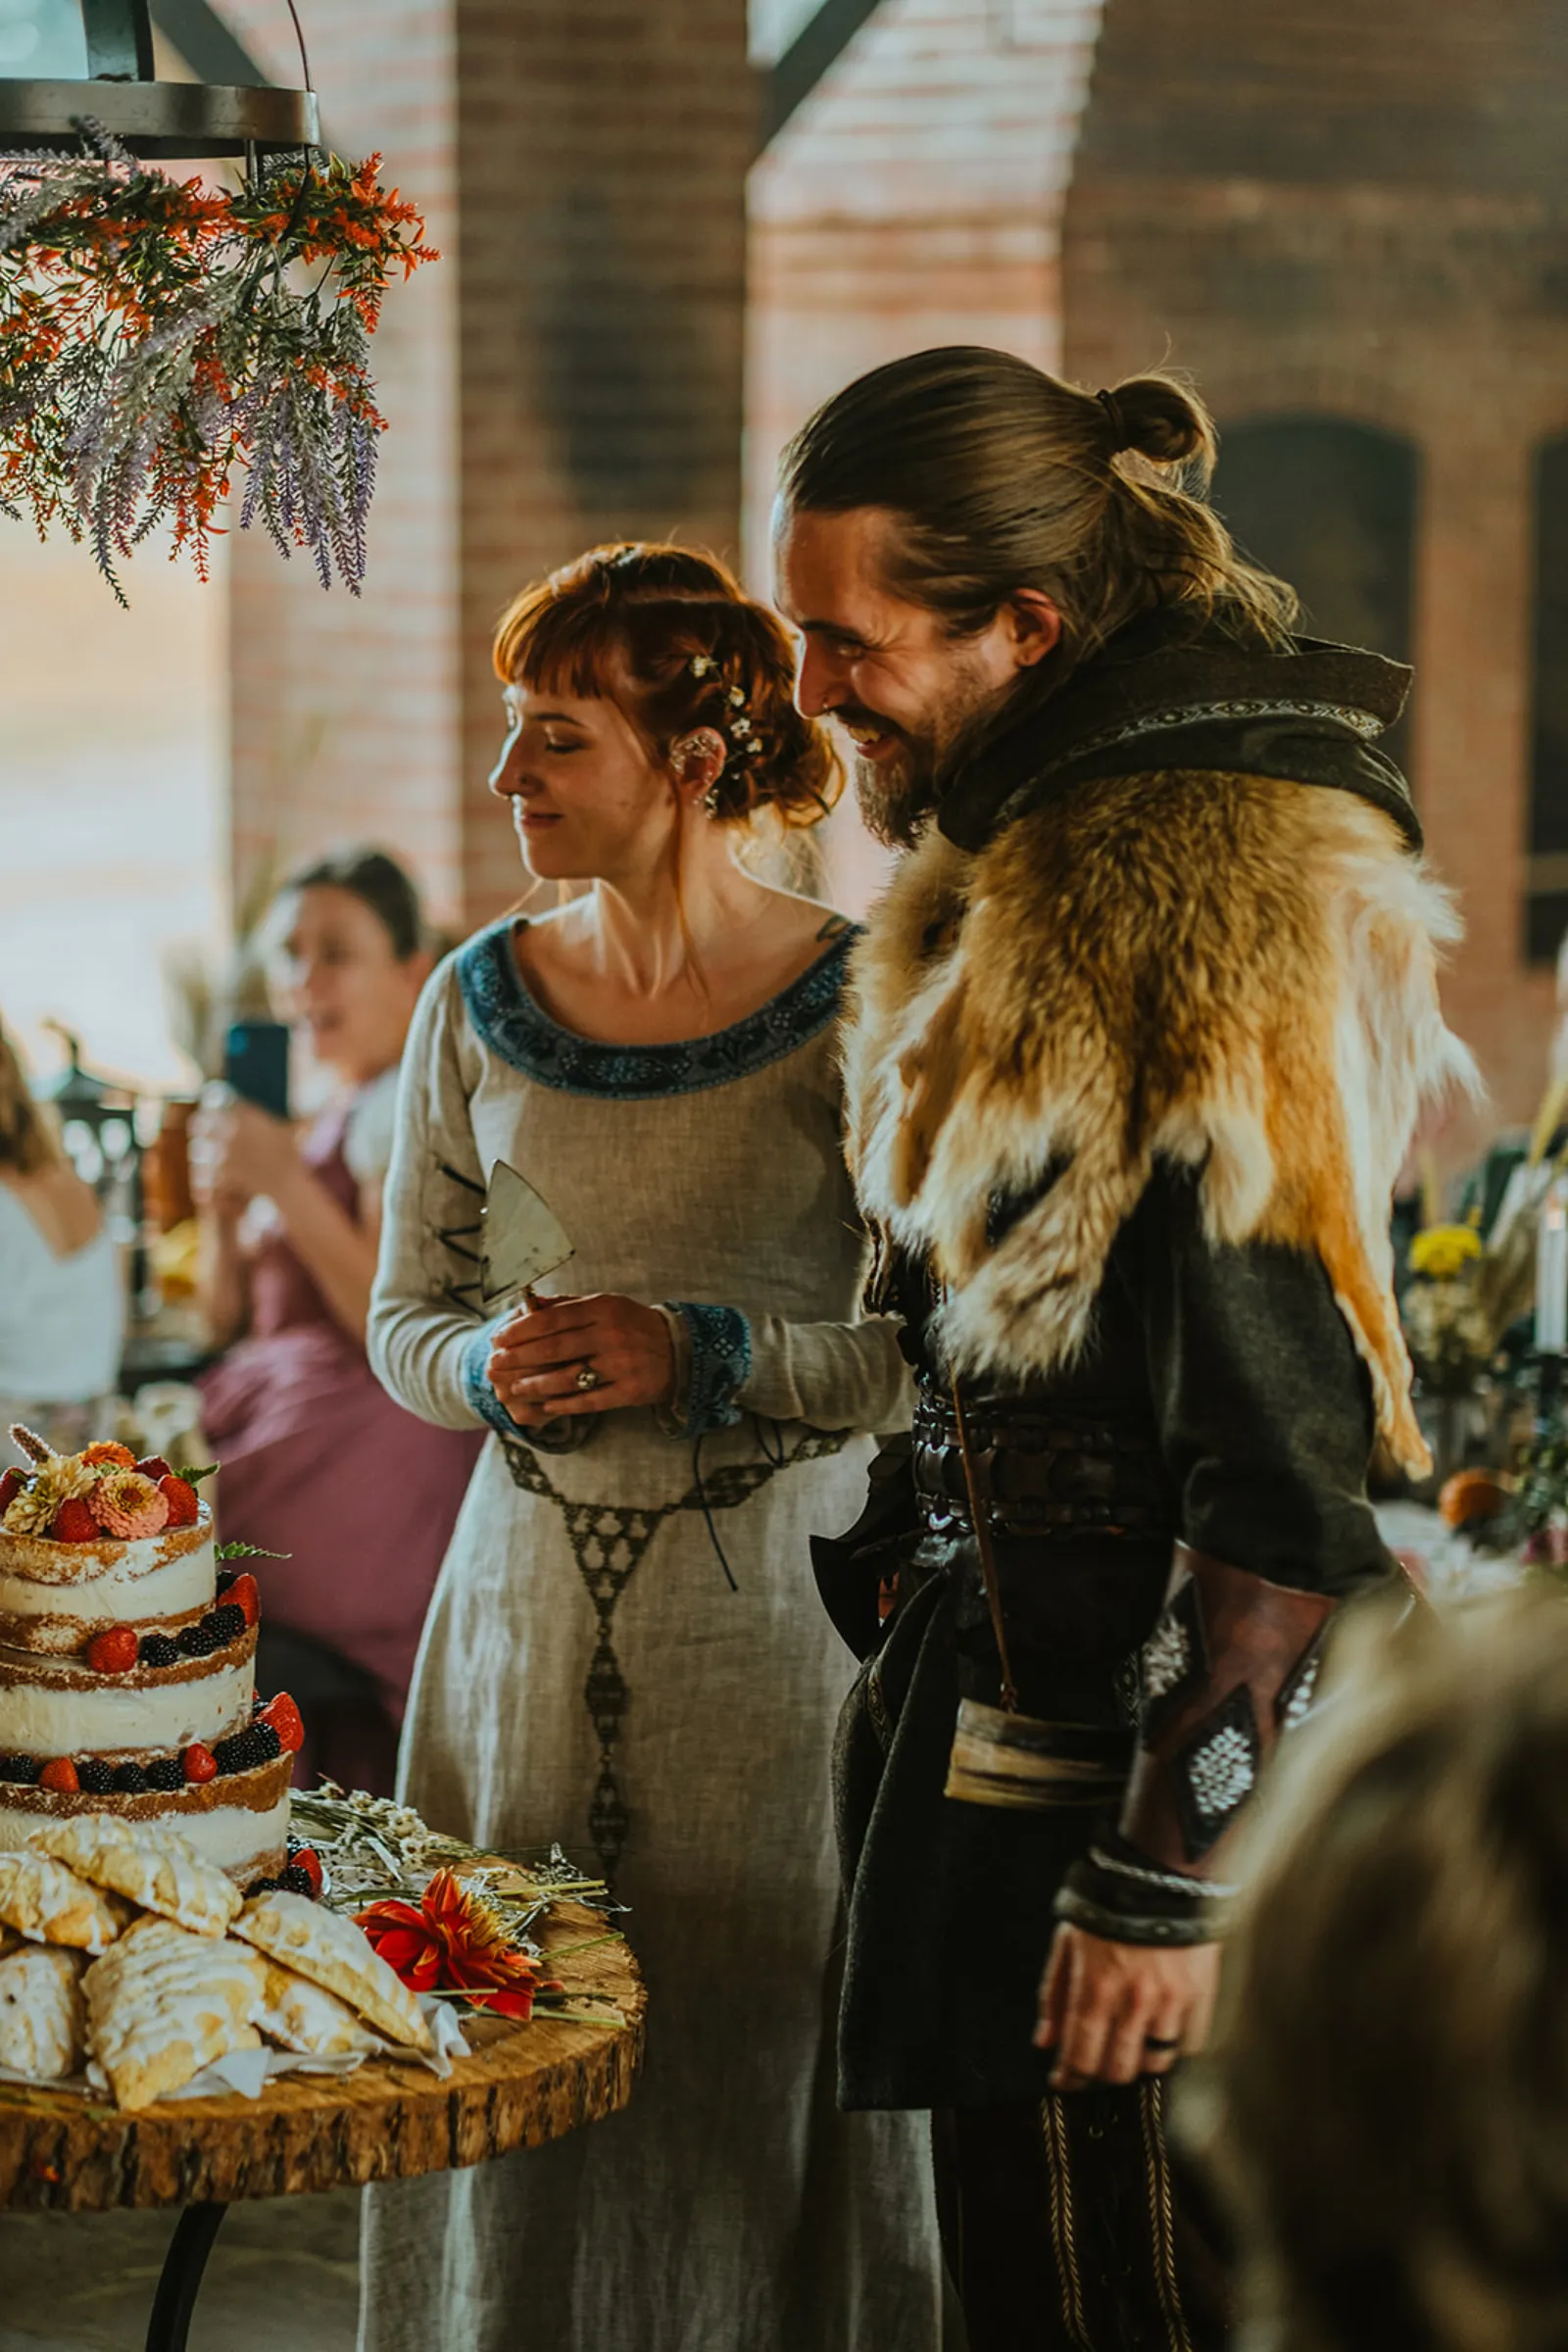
(161, 338)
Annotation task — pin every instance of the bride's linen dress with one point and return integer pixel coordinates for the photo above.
(588, 1675)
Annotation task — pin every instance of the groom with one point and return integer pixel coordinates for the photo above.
(1138, 1035)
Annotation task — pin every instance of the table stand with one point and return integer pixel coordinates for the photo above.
(181, 2279)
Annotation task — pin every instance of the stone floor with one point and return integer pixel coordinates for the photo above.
(283, 2276)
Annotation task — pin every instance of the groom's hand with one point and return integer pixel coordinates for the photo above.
(1114, 2011)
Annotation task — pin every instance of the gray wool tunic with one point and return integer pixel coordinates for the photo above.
(588, 1675)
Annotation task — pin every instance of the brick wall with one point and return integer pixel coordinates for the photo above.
(571, 371)
(1356, 212)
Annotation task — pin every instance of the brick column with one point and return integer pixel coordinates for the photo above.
(602, 283)
(570, 371)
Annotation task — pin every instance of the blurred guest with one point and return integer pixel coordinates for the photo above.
(62, 1298)
(318, 1462)
(1393, 2062)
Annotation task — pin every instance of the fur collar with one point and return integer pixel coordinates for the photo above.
(1232, 972)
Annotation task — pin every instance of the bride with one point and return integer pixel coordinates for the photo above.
(625, 1650)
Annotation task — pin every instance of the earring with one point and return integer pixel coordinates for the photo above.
(711, 801)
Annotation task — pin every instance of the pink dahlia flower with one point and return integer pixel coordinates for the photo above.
(129, 1505)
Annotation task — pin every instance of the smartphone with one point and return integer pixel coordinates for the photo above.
(256, 1064)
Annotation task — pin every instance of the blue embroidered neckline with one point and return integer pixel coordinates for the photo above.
(517, 1027)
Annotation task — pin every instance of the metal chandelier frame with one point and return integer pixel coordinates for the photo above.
(148, 117)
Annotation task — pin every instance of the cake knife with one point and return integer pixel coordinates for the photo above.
(522, 1239)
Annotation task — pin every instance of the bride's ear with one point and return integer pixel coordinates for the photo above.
(697, 762)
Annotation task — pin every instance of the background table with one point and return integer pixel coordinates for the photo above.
(524, 2084)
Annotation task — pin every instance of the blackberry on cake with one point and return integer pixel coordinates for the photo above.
(256, 1745)
(199, 1640)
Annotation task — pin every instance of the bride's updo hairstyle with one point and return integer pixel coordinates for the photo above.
(671, 638)
(999, 476)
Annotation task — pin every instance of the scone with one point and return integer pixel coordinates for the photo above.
(164, 2003)
(158, 1872)
(41, 2014)
(333, 1952)
(48, 1903)
(306, 2018)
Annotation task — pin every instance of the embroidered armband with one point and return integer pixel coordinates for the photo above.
(1231, 1663)
(1230, 1666)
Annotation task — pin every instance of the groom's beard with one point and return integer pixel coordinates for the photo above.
(897, 796)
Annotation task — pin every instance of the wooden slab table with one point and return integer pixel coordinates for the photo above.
(61, 2152)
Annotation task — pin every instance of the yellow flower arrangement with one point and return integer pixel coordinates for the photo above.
(1444, 1251)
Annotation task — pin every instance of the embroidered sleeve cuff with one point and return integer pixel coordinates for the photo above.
(481, 1396)
(560, 1436)
(718, 1356)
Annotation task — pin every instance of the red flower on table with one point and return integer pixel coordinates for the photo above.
(451, 1943)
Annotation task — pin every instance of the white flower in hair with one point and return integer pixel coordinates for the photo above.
(702, 665)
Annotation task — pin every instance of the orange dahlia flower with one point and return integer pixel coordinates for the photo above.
(451, 1943)
(108, 1450)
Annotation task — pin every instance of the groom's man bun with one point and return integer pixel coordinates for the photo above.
(1000, 477)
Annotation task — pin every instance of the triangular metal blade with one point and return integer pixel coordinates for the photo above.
(523, 1238)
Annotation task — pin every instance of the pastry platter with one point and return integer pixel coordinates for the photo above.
(523, 2084)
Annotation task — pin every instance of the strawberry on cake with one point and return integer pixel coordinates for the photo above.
(127, 1662)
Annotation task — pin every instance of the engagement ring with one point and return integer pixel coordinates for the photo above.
(587, 1376)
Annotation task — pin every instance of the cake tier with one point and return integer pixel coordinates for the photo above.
(54, 1596)
(240, 1821)
(52, 1706)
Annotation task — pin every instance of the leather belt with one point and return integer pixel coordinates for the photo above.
(1040, 1474)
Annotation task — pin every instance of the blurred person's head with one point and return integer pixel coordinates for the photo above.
(347, 957)
(28, 1142)
(954, 532)
(1391, 2119)
(651, 714)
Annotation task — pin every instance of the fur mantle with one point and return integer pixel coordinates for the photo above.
(1234, 973)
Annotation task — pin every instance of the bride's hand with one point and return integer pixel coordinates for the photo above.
(538, 1357)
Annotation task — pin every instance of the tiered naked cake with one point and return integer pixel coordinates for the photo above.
(127, 1678)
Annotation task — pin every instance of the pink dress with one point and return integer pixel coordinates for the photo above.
(320, 1463)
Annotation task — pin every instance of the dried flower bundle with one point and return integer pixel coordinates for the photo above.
(448, 1917)
(152, 340)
